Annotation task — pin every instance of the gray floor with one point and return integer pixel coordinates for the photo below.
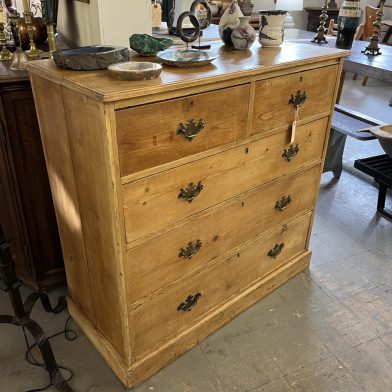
(329, 329)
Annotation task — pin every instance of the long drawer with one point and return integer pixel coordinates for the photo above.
(169, 130)
(165, 316)
(275, 98)
(159, 200)
(154, 265)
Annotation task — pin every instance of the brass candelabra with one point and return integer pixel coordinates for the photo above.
(5, 54)
(373, 49)
(320, 38)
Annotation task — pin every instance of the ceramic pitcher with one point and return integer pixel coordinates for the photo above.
(229, 21)
(271, 31)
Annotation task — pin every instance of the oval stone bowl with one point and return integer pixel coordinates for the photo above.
(88, 58)
(135, 70)
(384, 135)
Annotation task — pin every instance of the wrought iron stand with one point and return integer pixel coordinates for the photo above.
(11, 284)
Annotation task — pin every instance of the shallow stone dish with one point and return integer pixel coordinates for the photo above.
(384, 135)
(135, 70)
(88, 58)
(186, 58)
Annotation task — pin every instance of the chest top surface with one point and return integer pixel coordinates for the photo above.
(230, 64)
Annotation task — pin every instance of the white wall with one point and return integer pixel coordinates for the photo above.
(108, 22)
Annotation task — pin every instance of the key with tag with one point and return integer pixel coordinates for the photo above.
(294, 126)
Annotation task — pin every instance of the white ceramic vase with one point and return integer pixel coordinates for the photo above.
(244, 34)
(271, 31)
(229, 21)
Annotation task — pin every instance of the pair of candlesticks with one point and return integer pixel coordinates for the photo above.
(19, 57)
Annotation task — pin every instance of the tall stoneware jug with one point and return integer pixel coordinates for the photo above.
(229, 21)
(348, 21)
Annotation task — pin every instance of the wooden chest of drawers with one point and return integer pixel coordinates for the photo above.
(181, 201)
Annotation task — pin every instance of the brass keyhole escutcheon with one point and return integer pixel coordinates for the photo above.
(276, 251)
(190, 250)
(191, 129)
(298, 99)
(283, 203)
(290, 152)
(191, 191)
(189, 303)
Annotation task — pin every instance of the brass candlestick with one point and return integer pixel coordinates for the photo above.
(319, 38)
(33, 52)
(5, 54)
(373, 48)
(51, 39)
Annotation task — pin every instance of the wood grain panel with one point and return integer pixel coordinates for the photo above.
(151, 130)
(159, 319)
(62, 183)
(96, 188)
(153, 202)
(153, 266)
(272, 108)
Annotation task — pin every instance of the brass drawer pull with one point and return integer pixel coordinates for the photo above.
(189, 303)
(291, 152)
(298, 99)
(190, 250)
(191, 129)
(276, 251)
(191, 191)
(283, 203)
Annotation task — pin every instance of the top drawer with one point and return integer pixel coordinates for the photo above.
(272, 96)
(157, 130)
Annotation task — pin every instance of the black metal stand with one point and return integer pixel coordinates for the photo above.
(11, 284)
(380, 168)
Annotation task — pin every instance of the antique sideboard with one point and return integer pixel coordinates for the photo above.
(27, 214)
(181, 201)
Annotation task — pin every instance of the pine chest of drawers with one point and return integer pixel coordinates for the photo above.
(182, 201)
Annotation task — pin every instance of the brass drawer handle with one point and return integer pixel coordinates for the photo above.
(283, 203)
(191, 129)
(298, 99)
(189, 303)
(291, 152)
(276, 251)
(190, 250)
(191, 191)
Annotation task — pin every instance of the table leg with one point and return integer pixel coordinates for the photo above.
(335, 149)
(382, 194)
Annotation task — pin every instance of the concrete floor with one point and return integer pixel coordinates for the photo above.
(329, 329)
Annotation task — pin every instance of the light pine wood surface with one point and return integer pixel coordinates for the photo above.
(117, 167)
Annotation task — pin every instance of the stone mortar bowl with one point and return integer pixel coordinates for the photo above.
(384, 135)
(135, 70)
(88, 58)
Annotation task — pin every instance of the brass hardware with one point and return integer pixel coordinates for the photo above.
(190, 250)
(298, 99)
(189, 303)
(191, 129)
(276, 251)
(291, 152)
(191, 191)
(283, 203)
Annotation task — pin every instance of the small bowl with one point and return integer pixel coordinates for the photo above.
(384, 135)
(135, 70)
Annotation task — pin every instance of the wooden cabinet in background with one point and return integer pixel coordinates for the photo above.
(314, 17)
(27, 215)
